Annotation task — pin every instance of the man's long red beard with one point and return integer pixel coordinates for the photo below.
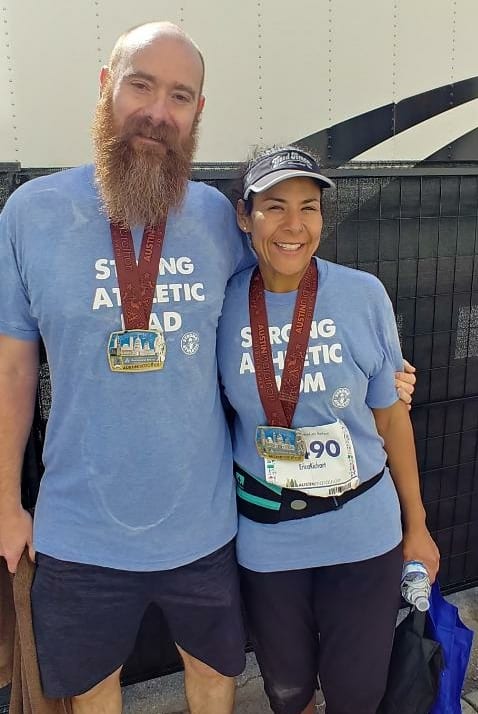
(139, 183)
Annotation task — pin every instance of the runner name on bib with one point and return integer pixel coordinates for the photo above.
(329, 467)
(137, 348)
(277, 440)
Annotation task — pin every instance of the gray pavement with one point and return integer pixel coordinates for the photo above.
(467, 603)
(165, 695)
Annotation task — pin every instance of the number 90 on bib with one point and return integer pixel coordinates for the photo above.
(328, 467)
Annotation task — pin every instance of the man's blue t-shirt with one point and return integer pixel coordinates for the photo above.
(352, 356)
(138, 469)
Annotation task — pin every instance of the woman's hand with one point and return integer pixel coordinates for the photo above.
(419, 545)
(405, 383)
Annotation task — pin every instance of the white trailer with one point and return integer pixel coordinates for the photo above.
(372, 80)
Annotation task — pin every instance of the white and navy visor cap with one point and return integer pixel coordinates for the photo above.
(279, 166)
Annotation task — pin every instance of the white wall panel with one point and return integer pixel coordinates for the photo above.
(465, 41)
(227, 34)
(276, 70)
(9, 148)
(294, 39)
(56, 62)
(424, 45)
(362, 57)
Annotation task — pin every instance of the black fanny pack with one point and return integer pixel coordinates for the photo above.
(266, 503)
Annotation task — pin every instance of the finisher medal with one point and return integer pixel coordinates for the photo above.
(276, 442)
(136, 350)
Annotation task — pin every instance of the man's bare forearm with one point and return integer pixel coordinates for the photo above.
(18, 383)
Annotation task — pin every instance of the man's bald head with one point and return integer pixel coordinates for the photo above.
(141, 36)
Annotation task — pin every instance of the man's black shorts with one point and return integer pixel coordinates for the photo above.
(86, 618)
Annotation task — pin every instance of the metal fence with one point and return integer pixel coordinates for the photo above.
(416, 229)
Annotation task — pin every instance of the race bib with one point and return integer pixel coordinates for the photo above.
(329, 466)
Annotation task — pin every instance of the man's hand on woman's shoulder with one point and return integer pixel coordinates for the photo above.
(405, 383)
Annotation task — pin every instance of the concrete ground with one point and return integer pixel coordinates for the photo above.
(165, 695)
(467, 603)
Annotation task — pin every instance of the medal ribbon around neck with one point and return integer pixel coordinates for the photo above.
(279, 405)
(137, 280)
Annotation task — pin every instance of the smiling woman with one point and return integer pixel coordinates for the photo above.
(317, 426)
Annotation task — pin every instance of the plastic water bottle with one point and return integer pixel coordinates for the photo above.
(416, 585)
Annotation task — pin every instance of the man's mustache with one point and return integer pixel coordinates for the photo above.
(160, 132)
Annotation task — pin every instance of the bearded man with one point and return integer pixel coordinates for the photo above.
(121, 269)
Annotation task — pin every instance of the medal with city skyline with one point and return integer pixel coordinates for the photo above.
(136, 350)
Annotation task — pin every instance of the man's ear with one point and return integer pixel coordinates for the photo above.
(243, 220)
(201, 103)
(104, 76)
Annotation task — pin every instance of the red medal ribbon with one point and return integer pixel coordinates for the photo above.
(137, 281)
(279, 405)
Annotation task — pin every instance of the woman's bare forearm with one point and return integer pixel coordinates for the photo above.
(394, 426)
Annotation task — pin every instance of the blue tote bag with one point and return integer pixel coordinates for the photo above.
(444, 626)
